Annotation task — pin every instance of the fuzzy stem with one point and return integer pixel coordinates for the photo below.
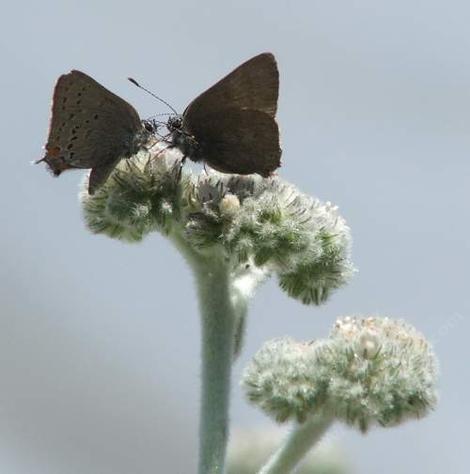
(218, 317)
(299, 441)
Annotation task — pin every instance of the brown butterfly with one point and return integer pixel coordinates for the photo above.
(232, 125)
(91, 128)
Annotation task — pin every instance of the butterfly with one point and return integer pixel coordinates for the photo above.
(92, 128)
(232, 125)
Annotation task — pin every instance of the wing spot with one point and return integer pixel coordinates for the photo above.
(78, 102)
(95, 116)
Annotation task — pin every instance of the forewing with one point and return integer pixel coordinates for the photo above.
(254, 85)
(90, 126)
(240, 141)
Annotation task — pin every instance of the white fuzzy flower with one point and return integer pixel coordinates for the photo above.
(370, 371)
(264, 223)
(383, 371)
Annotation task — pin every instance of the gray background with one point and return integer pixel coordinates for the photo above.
(99, 341)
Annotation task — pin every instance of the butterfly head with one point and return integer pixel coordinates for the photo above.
(181, 139)
(175, 122)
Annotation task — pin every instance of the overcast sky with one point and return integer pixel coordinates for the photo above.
(99, 341)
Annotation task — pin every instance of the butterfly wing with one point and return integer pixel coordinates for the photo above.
(234, 121)
(240, 141)
(252, 85)
(90, 126)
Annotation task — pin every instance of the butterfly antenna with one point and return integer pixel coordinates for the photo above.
(157, 121)
(152, 94)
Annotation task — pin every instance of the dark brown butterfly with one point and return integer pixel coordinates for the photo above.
(232, 125)
(91, 128)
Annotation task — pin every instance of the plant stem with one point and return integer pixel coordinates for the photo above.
(299, 441)
(218, 316)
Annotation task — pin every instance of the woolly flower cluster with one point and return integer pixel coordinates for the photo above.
(250, 221)
(141, 196)
(370, 371)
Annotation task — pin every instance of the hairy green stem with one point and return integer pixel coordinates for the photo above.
(299, 441)
(218, 318)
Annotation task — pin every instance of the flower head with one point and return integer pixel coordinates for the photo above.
(383, 371)
(141, 196)
(264, 223)
(370, 371)
(283, 380)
